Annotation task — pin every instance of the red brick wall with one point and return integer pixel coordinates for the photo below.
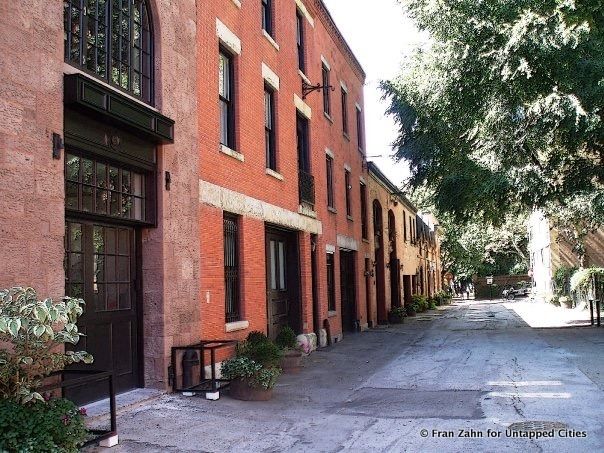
(250, 177)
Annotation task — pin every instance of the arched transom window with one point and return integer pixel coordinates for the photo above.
(112, 39)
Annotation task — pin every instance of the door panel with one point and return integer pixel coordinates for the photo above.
(101, 268)
(282, 282)
(347, 291)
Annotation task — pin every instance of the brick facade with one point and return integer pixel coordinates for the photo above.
(182, 284)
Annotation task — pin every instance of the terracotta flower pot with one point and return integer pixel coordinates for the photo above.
(241, 390)
(291, 361)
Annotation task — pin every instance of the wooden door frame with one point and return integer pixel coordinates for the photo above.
(293, 239)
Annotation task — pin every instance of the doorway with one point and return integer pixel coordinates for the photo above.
(380, 290)
(282, 277)
(101, 267)
(407, 288)
(348, 291)
(394, 263)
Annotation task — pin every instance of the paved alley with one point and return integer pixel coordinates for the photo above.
(471, 369)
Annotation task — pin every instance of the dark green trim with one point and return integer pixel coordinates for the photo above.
(84, 93)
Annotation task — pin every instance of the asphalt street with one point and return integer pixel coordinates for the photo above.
(468, 377)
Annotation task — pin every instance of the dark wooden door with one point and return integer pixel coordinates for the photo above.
(283, 304)
(407, 289)
(347, 291)
(100, 262)
(395, 282)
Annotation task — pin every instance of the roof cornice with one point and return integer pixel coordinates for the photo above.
(333, 29)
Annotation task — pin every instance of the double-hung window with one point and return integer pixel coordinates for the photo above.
(364, 229)
(269, 128)
(360, 137)
(326, 95)
(344, 112)
(300, 40)
(227, 107)
(267, 17)
(348, 193)
(331, 282)
(330, 191)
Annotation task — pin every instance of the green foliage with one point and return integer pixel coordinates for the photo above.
(251, 371)
(442, 298)
(286, 338)
(554, 300)
(477, 247)
(500, 110)
(582, 279)
(419, 303)
(431, 303)
(260, 349)
(53, 426)
(36, 332)
(562, 277)
(397, 314)
(256, 361)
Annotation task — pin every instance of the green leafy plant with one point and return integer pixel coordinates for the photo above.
(431, 303)
(35, 332)
(250, 371)
(287, 338)
(260, 349)
(582, 279)
(397, 315)
(419, 302)
(562, 277)
(256, 362)
(40, 427)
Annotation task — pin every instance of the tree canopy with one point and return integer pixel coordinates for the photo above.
(501, 110)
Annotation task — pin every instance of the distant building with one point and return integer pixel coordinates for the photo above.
(405, 249)
(549, 251)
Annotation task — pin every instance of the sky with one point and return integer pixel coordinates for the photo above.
(379, 34)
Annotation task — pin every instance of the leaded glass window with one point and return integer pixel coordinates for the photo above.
(112, 39)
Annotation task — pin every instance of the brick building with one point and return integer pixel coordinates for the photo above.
(405, 248)
(177, 165)
(278, 222)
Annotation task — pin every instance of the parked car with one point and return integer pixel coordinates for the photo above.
(521, 289)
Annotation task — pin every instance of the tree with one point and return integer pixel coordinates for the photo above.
(474, 247)
(502, 109)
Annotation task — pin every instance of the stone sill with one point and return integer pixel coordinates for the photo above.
(365, 240)
(346, 136)
(333, 210)
(304, 77)
(236, 326)
(232, 153)
(274, 174)
(331, 314)
(307, 211)
(270, 39)
(328, 116)
(237, 3)
(349, 217)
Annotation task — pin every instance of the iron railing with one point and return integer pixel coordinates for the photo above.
(306, 186)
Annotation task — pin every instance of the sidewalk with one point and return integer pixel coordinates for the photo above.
(544, 315)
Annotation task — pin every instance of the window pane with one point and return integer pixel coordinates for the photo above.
(281, 265)
(223, 77)
(273, 259)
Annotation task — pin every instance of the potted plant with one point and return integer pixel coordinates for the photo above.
(291, 358)
(565, 301)
(397, 315)
(32, 337)
(254, 370)
(411, 309)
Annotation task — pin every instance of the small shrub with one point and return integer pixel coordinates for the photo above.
(260, 349)
(36, 331)
(410, 309)
(397, 315)
(53, 426)
(554, 300)
(287, 338)
(250, 371)
(419, 302)
(432, 303)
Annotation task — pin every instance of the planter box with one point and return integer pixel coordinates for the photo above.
(241, 390)
(291, 362)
